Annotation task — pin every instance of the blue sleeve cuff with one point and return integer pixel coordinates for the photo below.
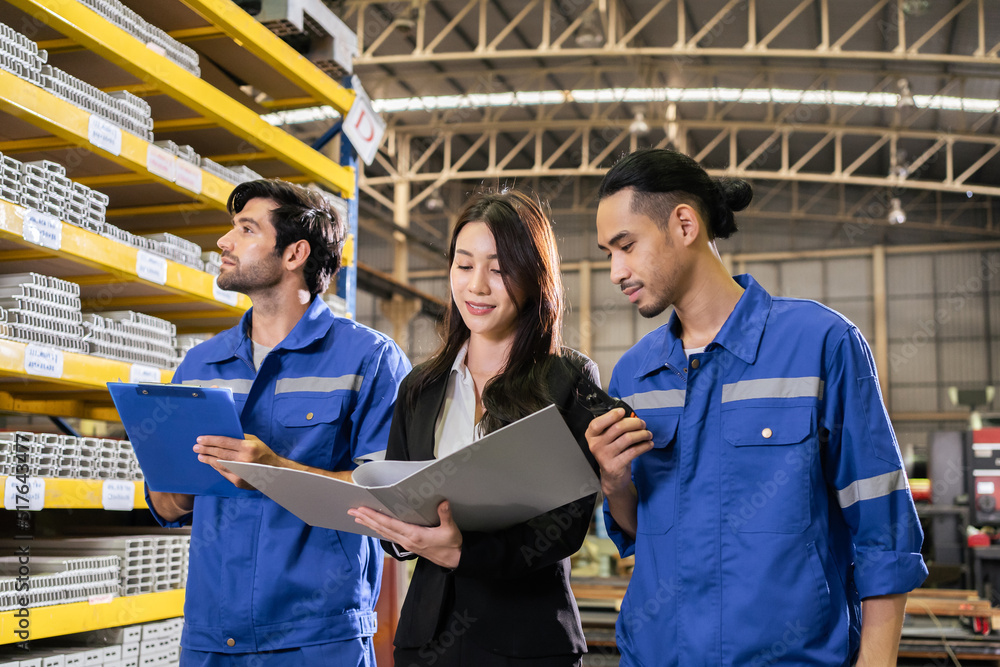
(625, 544)
(179, 523)
(879, 572)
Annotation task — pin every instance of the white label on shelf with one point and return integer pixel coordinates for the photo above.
(161, 162)
(105, 134)
(42, 229)
(24, 493)
(118, 494)
(151, 267)
(43, 360)
(224, 296)
(143, 373)
(106, 598)
(156, 48)
(188, 176)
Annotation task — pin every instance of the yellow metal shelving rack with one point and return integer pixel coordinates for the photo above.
(117, 259)
(79, 494)
(91, 30)
(44, 110)
(74, 393)
(62, 619)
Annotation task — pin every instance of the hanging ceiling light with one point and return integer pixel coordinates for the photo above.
(589, 35)
(905, 99)
(407, 20)
(897, 215)
(916, 7)
(434, 202)
(899, 168)
(639, 126)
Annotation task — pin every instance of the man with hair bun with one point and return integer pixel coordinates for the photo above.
(759, 486)
(264, 588)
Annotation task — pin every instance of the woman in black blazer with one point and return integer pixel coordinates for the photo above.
(499, 598)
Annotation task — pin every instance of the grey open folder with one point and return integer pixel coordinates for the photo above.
(509, 476)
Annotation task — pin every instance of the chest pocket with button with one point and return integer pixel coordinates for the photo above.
(655, 476)
(311, 423)
(769, 454)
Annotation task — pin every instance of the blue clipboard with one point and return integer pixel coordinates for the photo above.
(164, 420)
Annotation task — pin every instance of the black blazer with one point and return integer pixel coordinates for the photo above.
(511, 591)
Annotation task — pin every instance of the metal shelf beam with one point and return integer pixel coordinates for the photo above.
(80, 23)
(62, 619)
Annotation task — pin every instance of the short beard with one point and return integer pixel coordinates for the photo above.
(653, 309)
(255, 279)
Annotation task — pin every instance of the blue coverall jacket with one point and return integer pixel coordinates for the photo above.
(259, 578)
(774, 499)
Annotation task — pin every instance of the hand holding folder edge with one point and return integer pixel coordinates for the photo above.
(514, 474)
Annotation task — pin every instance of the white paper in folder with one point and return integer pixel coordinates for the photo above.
(518, 472)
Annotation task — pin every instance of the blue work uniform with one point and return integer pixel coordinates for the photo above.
(774, 498)
(259, 578)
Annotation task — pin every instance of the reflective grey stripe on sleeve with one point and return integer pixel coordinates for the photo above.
(772, 388)
(873, 487)
(318, 384)
(238, 386)
(651, 400)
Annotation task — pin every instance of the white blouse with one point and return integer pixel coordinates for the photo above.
(456, 423)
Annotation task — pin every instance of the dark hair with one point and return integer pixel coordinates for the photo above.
(529, 263)
(661, 179)
(301, 214)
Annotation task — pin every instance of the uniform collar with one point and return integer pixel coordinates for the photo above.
(313, 325)
(740, 334)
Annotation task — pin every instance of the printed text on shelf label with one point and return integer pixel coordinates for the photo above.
(42, 229)
(118, 494)
(43, 360)
(151, 267)
(24, 494)
(105, 134)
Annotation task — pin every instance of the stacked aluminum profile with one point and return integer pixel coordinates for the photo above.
(245, 173)
(178, 249)
(148, 563)
(188, 341)
(59, 580)
(118, 110)
(46, 188)
(43, 186)
(148, 34)
(167, 246)
(235, 175)
(133, 337)
(10, 179)
(20, 56)
(142, 645)
(212, 261)
(17, 454)
(67, 456)
(170, 561)
(41, 309)
(184, 152)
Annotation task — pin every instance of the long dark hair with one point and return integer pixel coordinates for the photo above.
(529, 264)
